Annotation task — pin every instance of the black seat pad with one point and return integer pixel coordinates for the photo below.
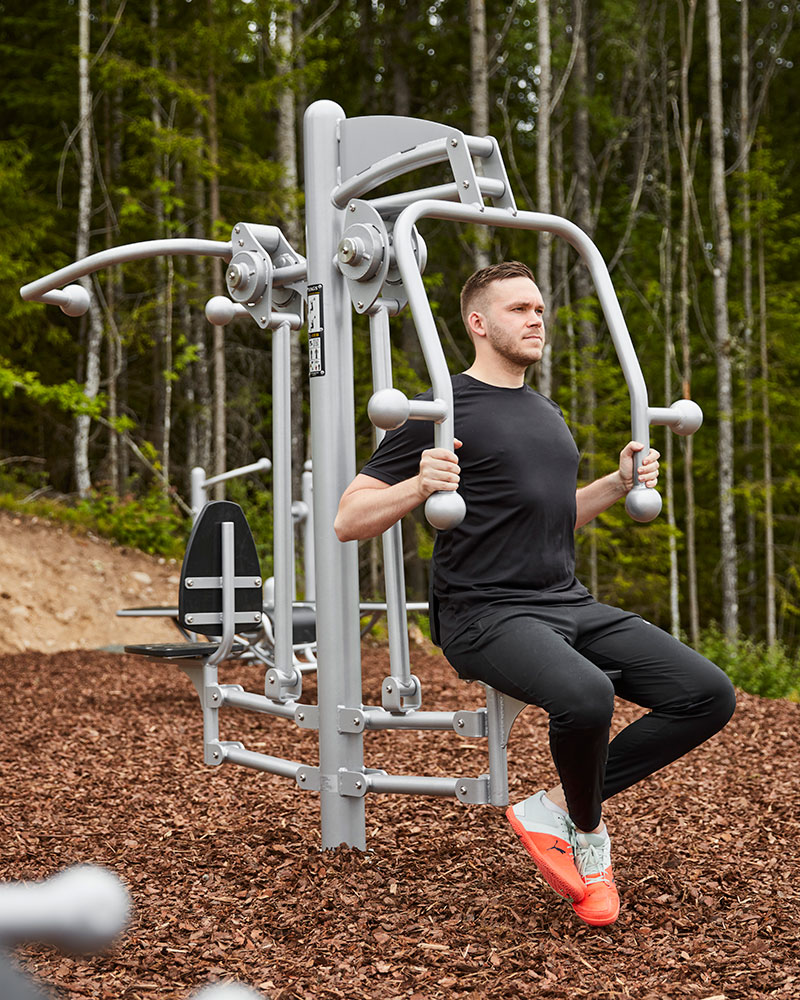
(180, 650)
(304, 625)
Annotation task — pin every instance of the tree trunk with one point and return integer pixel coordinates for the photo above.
(687, 36)
(769, 539)
(721, 217)
(94, 336)
(583, 284)
(287, 157)
(479, 99)
(544, 201)
(747, 299)
(218, 349)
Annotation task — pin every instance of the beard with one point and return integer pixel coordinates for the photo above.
(510, 348)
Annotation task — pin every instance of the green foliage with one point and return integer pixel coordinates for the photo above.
(754, 666)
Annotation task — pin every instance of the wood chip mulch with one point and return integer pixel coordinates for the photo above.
(102, 764)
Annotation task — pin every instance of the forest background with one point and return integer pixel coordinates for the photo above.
(668, 131)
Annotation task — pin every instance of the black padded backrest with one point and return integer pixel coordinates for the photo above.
(204, 558)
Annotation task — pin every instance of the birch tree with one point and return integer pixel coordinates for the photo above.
(94, 335)
(479, 99)
(543, 198)
(720, 272)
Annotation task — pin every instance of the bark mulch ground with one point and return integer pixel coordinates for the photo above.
(102, 764)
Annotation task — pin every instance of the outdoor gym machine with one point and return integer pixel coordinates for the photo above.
(367, 255)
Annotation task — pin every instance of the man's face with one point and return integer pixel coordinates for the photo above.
(513, 320)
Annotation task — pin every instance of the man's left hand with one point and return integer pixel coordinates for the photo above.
(648, 470)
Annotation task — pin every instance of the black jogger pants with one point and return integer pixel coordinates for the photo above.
(549, 655)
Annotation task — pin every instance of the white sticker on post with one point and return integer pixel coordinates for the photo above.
(316, 332)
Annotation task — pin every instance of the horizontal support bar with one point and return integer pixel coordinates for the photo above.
(379, 718)
(215, 583)
(393, 204)
(262, 465)
(409, 784)
(234, 696)
(425, 154)
(261, 761)
(215, 618)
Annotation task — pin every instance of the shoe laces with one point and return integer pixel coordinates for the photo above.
(592, 860)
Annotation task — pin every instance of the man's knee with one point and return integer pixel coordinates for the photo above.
(589, 706)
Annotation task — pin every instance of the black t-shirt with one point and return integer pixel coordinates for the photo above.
(519, 468)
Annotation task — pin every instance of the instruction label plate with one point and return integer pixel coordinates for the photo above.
(316, 332)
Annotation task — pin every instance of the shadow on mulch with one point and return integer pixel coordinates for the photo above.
(102, 764)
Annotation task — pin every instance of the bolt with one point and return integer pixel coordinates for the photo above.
(301, 716)
(301, 777)
(241, 243)
(352, 207)
(263, 319)
(460, 723)
(215, 755)
(359, 305)
(463, 789)
(257, 581)
(257, 616)
(465, 184)
(237, 229)
(189, 619)
(389, 689)
(356, 721)
(454, 143)
(215, 696)
(348, 251)
(272, 680)
(190, 583)
(359, 784)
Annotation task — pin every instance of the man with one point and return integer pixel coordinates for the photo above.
(507, 608)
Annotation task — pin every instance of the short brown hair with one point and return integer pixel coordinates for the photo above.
(478, 282)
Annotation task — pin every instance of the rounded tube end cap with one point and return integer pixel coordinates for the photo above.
(691, 417)
(445, 510)
(643, 504)
(388, 409)
(77, 301)
(220, 311)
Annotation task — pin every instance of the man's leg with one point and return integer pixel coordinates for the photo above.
(530, 660)
(690, 699)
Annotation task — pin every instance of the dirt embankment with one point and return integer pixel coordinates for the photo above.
(60, 590)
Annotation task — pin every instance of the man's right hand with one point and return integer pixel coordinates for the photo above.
(438, 471)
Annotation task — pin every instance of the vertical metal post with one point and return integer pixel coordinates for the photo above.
(333, 450)
(307, 496)
(393, 570)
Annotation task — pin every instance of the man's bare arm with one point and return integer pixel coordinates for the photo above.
(369, 506)
(603, 493)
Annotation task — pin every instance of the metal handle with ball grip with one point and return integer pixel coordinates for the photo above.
(389, 409)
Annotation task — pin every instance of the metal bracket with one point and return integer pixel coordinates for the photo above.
(471, 724)
(308, 778)
(355, 783)
(257, 252)
(282, 687)
(399, 697)
(464, 172)
(473, 791)
(215, 696)
(215, 618)
(307, 717)
(363, 254)
(351, 720)
(494, 167)
(215, 751)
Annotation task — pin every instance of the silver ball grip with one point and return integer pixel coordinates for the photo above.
(445, 510)
(76, 302)
(690, 417)
(643, 503)
(388, 409)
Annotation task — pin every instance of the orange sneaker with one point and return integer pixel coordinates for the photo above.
(547, 836)
(600, 904)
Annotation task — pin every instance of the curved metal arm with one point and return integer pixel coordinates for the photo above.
(44, 289)
(643, 504)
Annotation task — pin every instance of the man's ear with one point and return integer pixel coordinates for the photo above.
(477, 324)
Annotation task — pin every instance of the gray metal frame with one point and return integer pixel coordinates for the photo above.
(367, 256)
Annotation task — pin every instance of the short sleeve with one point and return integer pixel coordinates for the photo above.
(397, 457)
